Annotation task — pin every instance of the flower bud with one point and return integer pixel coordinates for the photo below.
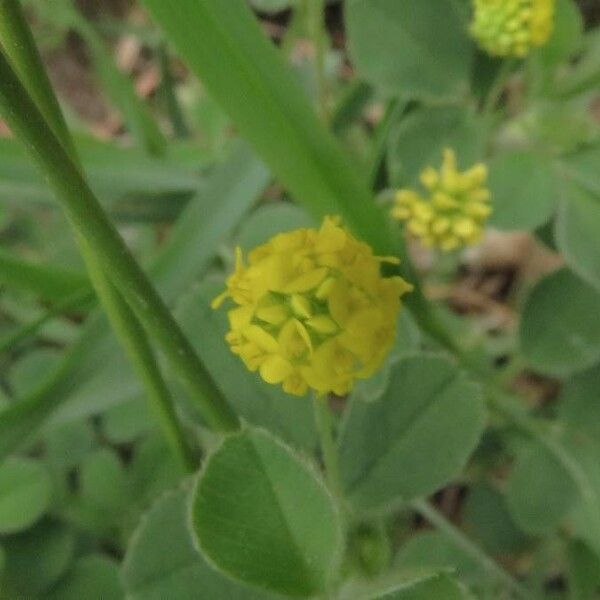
(512, 27)
(454, 213)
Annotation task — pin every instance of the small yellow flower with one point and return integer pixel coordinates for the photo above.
(455, 212)
(312, 309)
(512, 27)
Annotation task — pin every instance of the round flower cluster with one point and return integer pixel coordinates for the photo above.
(313, 310)
(456, 210)
(512, 27)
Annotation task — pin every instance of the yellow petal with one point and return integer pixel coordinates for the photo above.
(261, 338)
(275, 369)
(322, 324)
(306, 282)
(301, 306)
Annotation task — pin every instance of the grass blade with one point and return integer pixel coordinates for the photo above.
(91, 223)
(49, 282)
(271, 110)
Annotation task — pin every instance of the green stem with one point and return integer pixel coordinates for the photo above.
(17, 40)
(503, 404)
(74, 301)
(63, 173)
(137, 348)
(18, 43)
(395, 108)
(180, 129)
(324, 422)
(350, 106)
(315, 15)
(475, 552)
(91, 222)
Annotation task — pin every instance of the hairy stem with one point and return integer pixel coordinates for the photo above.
(324, 423)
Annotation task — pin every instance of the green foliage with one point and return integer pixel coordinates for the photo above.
(488, 519)
(92, 577)
(576, 227)
(437, 587)
(151, 573)
(261, 404)
(526, 190)
(36, 559)
(560, 346)
(261, 516)
(426, 396)
(411, 49)
(432, 551)
(536, 477)
(25, 494)
(418, 139)
(465, 467)
(271, 110)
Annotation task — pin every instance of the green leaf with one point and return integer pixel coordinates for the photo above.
(33, 368)
(412, 49)
(525, 190)
(488, 519)
(536, 477)
(576, 234)
(584, 571)
(123, 178)
(208, 219)
(567, 36)
(408, 341)
(582, 166)
(578, 405)
(272, 6)
(261, 516)
(230, 191)
(103, 484)
(269, 220)
(270, 109)
(153, 470)
(432, 551)
(428, 422)
(434, 587)
(584, 75)
(261, 404)
(93, 577)
(36, 559)
(151, 573)
(125, 423)
(559, 333)
(49, 282)
(585, 518)
(25, 493)
(68, 445)
(418, 139)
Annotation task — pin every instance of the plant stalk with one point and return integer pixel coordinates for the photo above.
(17, 40)
(475, 552)
(324, 422)
(89, 220)
(315, 17)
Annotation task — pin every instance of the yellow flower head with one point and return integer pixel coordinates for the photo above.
(457, 206)
(512, 27)
(312, 309)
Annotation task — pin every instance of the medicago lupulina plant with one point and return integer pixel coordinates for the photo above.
(361, 359)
